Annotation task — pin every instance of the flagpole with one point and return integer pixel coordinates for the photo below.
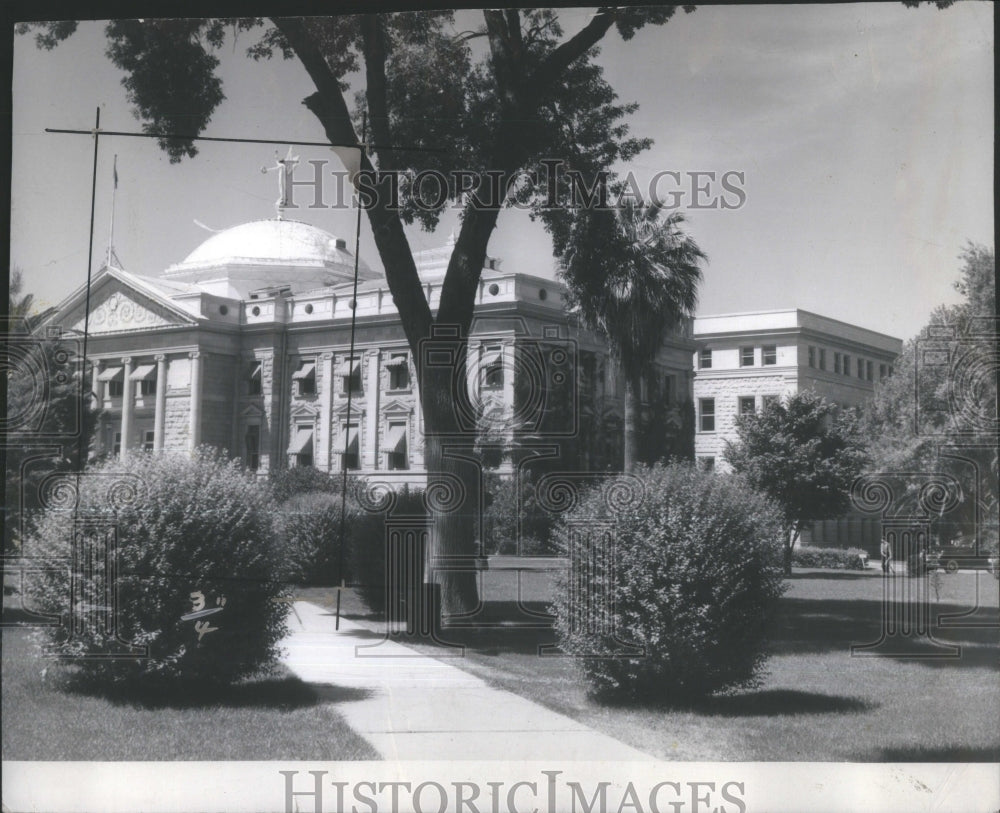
(111, 229)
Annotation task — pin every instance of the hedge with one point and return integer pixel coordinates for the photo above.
(835, 558)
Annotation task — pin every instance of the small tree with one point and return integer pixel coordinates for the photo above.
(804, 454)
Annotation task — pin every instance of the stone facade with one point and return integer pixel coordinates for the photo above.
(247, 354)
(743, 359)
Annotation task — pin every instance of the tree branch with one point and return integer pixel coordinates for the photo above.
(329, 106)
(376, 53)
(575, 47)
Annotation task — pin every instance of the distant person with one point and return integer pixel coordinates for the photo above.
(886, 551)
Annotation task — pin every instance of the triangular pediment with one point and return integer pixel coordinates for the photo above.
(397, 407)
(341, 409)
(252, 412)
(119, 303)
(304, 411)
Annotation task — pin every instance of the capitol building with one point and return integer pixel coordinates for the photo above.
(246, 345)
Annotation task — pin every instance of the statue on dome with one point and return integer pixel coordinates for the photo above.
(284, 167)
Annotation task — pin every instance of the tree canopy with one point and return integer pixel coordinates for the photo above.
(937, 413)
(632, 275)
(488, 117)
(804, 454)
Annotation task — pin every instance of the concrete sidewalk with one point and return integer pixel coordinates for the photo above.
(420, 708)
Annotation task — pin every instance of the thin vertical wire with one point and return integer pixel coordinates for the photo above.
(86, 310)
(350, 391)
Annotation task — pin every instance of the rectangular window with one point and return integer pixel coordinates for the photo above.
(861, 368)
(748, 405)
(305, 378)
(147, 440)
(769, 401)
(399, 372)
(706, 463)
(254, 379)
(706, 408)
(668, 389)
(870, 370)
(350, 375)
(812, 356)
(251, 445)
(746, 357)
(117, 446)
(491, 369)
(882, 369)
(836, 363)
(147, 386)
(301, 445)
(847, 365)
(395, 443)
(114, 378)
(822, 358)
(352, 456)
(705, 359)
(769, 354)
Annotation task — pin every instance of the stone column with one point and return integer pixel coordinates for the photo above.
(416, 449)
(323, 433)
(161, 402)
(509, 371)
(126, 407)
(194, 433)
(95, 381)
(472, 370)
(369, 452)
(95, 385)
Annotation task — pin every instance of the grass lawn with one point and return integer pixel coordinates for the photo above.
(277, 718)
(817, 701)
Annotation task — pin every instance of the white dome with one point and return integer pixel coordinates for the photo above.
(268, 252)
(274, 242)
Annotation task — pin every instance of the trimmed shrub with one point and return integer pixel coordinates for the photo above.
(835, 558)
(194, 534)
(287, 483)
(695, 569)
(501, 514)
(309, 526)
(367, 541)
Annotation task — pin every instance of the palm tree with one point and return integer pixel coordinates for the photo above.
(632, 276)
(20, 304)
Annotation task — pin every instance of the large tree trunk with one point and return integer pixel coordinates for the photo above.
(632, 406)
(452, 485)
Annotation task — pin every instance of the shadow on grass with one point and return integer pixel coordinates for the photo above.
(766, 703)
(808, 626)
(924, 754)
(285, 693)
(777, 702)
(831, 575)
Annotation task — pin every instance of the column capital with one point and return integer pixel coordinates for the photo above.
(326, 356)
(159, 357)
(193, 354)
(126, 359)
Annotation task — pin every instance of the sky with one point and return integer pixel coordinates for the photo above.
(864, 132)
